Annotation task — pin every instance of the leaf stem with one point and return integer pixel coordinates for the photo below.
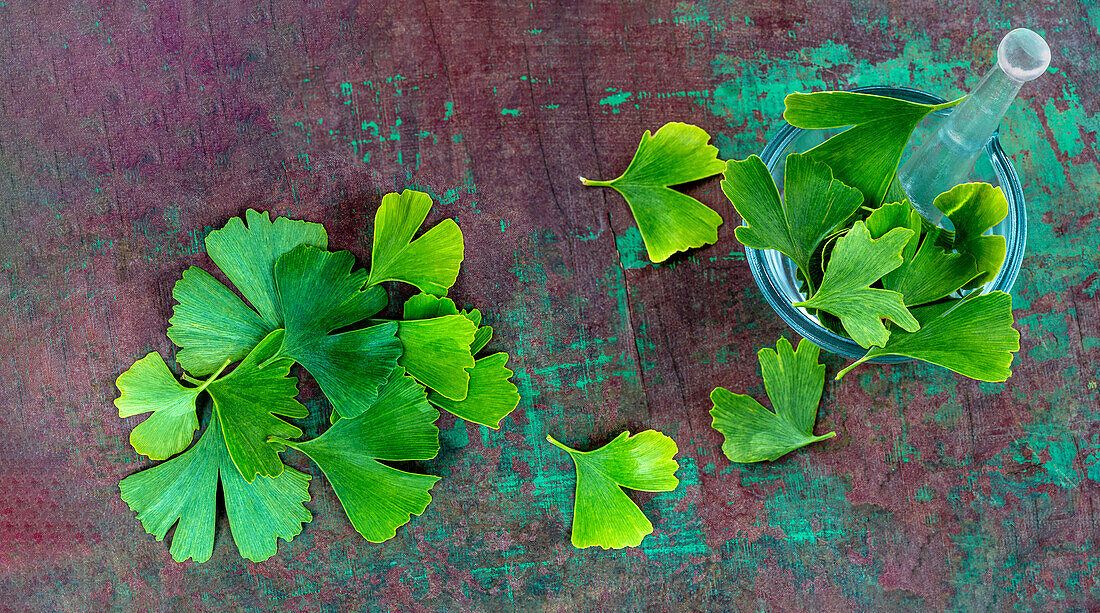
(278, 440)
(809, 284)
(204, 384)
(591, 183)
(849, 367)
(949, 104)
(567, 449)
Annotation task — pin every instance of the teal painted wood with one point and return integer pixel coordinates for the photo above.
(127, 133)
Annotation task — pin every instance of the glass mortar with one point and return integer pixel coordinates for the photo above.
(775, 273)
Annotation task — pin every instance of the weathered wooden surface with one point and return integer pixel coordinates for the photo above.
(127, 133)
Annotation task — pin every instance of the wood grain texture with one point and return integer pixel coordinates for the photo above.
(128, 132)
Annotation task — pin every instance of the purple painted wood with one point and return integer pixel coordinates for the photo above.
(127, 132)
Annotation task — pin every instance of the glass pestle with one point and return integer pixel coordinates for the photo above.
(947, 157)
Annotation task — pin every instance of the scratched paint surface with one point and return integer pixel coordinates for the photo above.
(127, 133)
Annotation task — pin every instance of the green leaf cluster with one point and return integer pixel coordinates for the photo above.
(873, 269)
(299, 305)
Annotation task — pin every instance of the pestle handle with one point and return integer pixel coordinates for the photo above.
(946, 158)
(1023, 55)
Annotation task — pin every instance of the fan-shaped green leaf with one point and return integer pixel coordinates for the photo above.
(794, 381)
(431, 262)
(248, 400)
(668, 220)
(974, 208)
(379, 499)
(184, 490)
(320, 293)
(492, 394)
(814, 205)
(856, 262)
(866, 155)
(973, 337)
(437, 353)
(603, 514)
(147, 386)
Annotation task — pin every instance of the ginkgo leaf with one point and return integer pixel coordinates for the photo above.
(184, 490)
(973, 337)
(866, 155)
(320, 293)
(427, 306)
(379, 499)
(210, 324)
(794, 381)
(814, 204)
(931, 273)
(249, 400)
(669, 221)
(602, 513)
(492, 394)
(974, 208)
(431, 262)
(247, 255)
(437, 353)
(147, 386)
(896, 215)
(928, 273)
(856, 262)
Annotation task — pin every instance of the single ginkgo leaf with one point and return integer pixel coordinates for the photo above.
(794, 381)
(185, 488)
(249, 400)
(856, 262)
(814, 204)
(974, 208)
(147, 386)
(931, 273)
(437, 353)
(866, 155)
(427, 306)
(430, 262)
(320, 293)
(379, 499)
(211, 324)
(492, 394)
(668, 220)
(602, 513)
(973, 337)
(896, 215)
(247, 255)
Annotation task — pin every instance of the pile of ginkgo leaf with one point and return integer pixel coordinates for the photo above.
(312, 307)
(870, 267)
